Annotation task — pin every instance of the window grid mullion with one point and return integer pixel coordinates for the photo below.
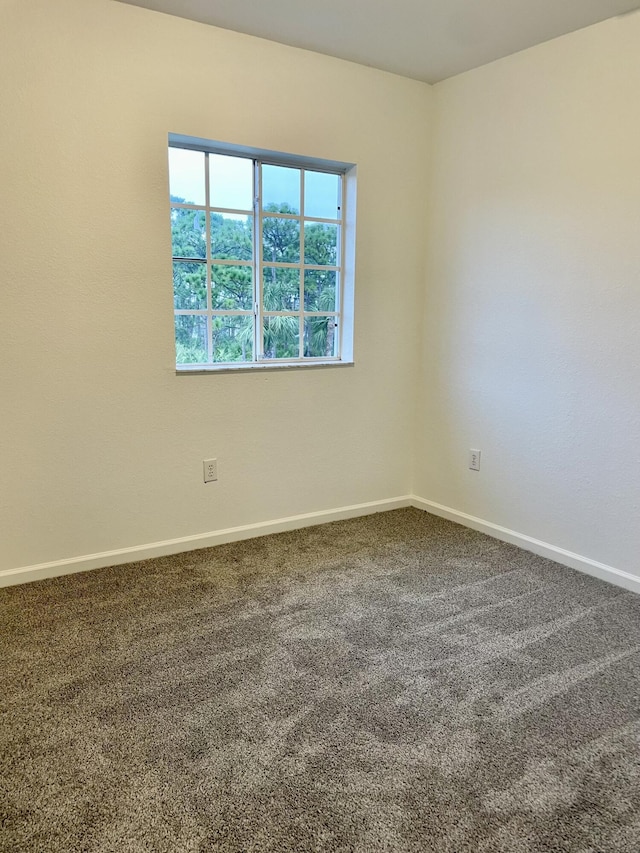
(286, 265)
(227, 210)
(339, 273)
(273, 214)
(301, 270)
(319, 359)
(187, 206)
(207, 240)
(257, 262)
(296, 313)
(230, 262)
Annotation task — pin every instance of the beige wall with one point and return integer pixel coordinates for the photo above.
(524, 341)
(102, 445)
(532, 311)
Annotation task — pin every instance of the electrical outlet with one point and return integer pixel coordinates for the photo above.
(474, 460)
(210, 470)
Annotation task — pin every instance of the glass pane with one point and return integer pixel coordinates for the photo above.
(191, 339)
(281, 240)
(188, 233)
(322, 195)
(230, 182)
(281, 289)
(232, 338)
(281, 336)
(320, 290)
(231, 288)
(231, 236)
(186, 176)
(280, 189)
(189, 286)
(320, 243)
(320, 337)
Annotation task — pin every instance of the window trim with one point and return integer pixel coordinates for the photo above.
(345, 260)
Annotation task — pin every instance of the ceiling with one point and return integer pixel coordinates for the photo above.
(428, 40)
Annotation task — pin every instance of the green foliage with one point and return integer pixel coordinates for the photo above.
(232, 338)
(231, 238)
(191, 339)
(281, 336)
(189, 286)
(319, 336)
(189, 354)
(320, 290)
(231, 288)
(232, 285)
(280, 289)
(320, 244)
(280, 237)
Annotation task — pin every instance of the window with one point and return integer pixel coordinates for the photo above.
(261, 258)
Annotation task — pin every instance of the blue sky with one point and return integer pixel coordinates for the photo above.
(232, 183)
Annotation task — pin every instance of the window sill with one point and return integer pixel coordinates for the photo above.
(186, 370)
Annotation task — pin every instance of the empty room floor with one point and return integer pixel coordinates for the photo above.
(388, 683)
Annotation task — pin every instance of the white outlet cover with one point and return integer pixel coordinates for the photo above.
(474, 460)
(210, 470)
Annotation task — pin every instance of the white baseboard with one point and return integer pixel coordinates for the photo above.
(24, 574)
(528, 543)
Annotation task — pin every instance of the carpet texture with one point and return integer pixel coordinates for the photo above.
(389, 683)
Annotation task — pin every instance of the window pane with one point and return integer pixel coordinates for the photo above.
(281, 337)
(320, 337)
(320, 290)
(322, 195)
(232, 338)
(188, 233)
(186, 176)
(189, 286)
(280, 189)
(320, 243)
(230, 182)
(231, 237)
(280, 289)
(231, 288)
(281, 240)
(191, 339)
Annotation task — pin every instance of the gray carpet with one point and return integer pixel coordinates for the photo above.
(389, 683)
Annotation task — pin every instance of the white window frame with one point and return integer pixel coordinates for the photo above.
(344, 268)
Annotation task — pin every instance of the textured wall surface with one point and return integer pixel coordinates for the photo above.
(102, 444)
(532, 309)
(528, 320)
